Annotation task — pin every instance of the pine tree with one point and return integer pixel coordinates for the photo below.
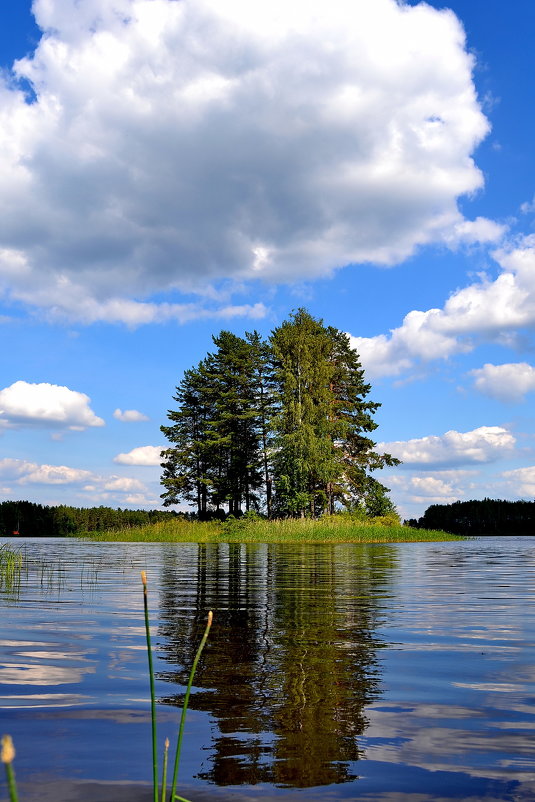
(263, 402)
(233, 429)
(304, 460)
(352, 422)
(188, 463)
(215, 457)
(323, 452)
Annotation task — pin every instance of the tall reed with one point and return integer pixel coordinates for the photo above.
(10, 567)
(7, 756)
(185, 707)
(174, 795)
(152, 691)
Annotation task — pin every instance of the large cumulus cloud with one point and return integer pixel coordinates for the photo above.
(166, 145)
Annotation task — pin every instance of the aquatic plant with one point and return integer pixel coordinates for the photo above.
(7, 753)
(7, 757)
(10, 567)
(178, 750)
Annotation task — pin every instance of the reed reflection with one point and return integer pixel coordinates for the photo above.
(292, 658)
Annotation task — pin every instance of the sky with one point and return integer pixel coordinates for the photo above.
(172, 168)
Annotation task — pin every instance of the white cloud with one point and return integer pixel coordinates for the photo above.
(413, 492)
(142, 455)
(23, 403)
(54, 475)
(142, 500)
(481, 445)
(13, 469)
(171, 144)
(521, 481)
(112, 488)
(509, 382)
(528, 206)
(22, 472)
(424, 489)
(475, 231)
(486, 310)
(129, 415)
(123, 484)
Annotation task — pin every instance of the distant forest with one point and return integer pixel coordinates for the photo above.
(487, 517)
(35, 520)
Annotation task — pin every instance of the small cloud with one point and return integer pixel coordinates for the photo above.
(522, 481)
(475, 231)
(13, 469)
(142, 455)
(55, 475)
(25, 404)
(142, 500)
(425, 489)
(509, 382)
(528, 206)
(123, 484)
(129, 415)
(481, 445)
(23, 472)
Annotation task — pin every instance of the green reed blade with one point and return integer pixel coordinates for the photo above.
(7, 756)
(152, 691)
(164, 770)
(185, 707)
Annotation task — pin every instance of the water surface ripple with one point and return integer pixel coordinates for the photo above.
(388, 673)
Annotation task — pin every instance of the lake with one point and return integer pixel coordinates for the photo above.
(384, 673)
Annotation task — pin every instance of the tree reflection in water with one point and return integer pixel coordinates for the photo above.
(292, 657)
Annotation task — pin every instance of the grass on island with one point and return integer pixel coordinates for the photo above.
(328, 529)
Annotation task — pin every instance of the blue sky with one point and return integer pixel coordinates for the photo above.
(171, 168)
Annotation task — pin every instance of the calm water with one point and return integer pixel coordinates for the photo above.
(387, 672)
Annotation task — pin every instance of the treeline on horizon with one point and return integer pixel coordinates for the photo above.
(483, 517)
(36, 520)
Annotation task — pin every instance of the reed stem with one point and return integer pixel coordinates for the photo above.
(7, 756)
(164, 770)
(185, 707)
(152, 691)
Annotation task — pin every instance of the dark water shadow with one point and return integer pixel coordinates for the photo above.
(292, 659)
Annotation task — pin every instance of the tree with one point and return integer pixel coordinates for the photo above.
(323, 452)
(186, 474)
(215, 458)
(234, 427)
(263, 402)
(290, 414)
(304, 459)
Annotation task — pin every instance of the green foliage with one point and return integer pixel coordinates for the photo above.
(10, 567)
(233, 527)
(217, 433)
(323, 451)
(281, 425)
